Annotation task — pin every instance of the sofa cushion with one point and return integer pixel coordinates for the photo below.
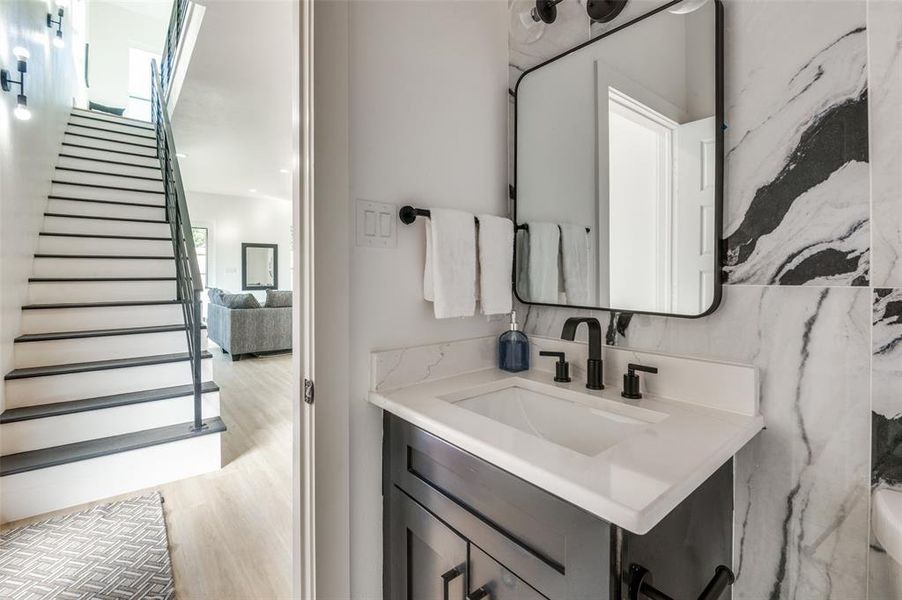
(278, 298)
(239, 301)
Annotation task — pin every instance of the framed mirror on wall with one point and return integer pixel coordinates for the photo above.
(259, 266)
(619, 168)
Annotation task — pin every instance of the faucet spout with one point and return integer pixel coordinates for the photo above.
(594, 365)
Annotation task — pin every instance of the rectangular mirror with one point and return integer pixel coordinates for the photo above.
(259, 266)
(619, 168)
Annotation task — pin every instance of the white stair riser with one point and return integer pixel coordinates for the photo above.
(97, 193)
(74, 207)
(79, 150)
(75, 386)
(99, 291)
(68, 351)
(91, 142)
(23, 436)
(103, 267)
(113, 168)
(44, 490)
(114, 136)
(53, 244)
(48, 320)
(83, 112)
(155, 184)
(105, 227)
(76, 119)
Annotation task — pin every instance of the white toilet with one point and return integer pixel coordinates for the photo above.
(886, 522)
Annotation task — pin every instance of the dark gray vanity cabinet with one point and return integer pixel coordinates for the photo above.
(457, 527)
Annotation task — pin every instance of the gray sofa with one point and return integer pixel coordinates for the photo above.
(240, 331)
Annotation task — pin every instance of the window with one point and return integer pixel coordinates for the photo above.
(139, 84)
(200, 246)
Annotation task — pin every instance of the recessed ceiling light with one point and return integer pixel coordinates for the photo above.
(283, 171)
(21, 53)
(253, 190)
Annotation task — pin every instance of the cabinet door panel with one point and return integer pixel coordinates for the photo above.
(428, 561)
(499, 582)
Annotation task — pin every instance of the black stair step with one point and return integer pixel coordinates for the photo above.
(99, 304)
(71, 145)
(94, 114)
(104, 256)
(106, 187)
(57, 409)
(107, 236)
(137, 135)
(74, 335)
(94, 279)
(109, 162)
(33, 460)
(102, 139)
(97, 217)
(117, 202)
(108, 174)
(100, 365)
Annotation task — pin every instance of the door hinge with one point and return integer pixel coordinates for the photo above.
(308, 391)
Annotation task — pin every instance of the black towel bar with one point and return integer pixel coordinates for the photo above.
(408, 214)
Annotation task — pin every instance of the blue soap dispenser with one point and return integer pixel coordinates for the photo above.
(513, 348)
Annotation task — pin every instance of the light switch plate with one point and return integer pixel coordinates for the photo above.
(377, 224)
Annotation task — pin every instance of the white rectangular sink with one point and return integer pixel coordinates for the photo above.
(556, 415)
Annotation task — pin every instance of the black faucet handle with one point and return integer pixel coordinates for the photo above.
(633, 367)
(561, 367)
(631, 384)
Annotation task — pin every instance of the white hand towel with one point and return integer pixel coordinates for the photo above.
(575, 261)
(449, 279)
(496, 257)
(544, 249)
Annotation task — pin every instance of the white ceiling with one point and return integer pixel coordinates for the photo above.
(233, 115)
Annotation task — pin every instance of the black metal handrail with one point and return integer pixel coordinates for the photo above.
(189, 285)
(173, 34)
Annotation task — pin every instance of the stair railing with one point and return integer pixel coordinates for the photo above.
(189, 285)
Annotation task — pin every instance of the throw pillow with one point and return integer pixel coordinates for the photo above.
(107, 109)
(278, 298)
(240, 301)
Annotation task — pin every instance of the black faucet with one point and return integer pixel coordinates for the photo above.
(594, 375)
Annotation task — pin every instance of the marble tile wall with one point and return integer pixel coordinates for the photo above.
(813, 223)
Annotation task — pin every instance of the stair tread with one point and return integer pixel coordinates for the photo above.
(100, 218)
(105, 187)
(100, 365)
(105, 256)
(95, 128)
(95, 114)
(106, 236)
(56, 409)
(103, 139)
(22, 462)
(111, 162)
(107, 173)
(99, 304)
(91, 333)
(98, 201)
(138, 154)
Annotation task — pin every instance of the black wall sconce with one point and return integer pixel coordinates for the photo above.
(58, 39)
(6, 82)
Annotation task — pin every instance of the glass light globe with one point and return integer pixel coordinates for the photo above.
(22, 113)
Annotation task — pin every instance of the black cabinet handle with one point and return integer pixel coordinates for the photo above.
(447, 578)
(479, 594)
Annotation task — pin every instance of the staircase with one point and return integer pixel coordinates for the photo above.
(109, 385)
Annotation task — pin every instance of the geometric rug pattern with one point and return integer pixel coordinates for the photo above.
(114, 551)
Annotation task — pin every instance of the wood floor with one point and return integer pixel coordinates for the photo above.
(230, 531)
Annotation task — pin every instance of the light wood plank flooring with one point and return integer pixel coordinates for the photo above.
(230, 531)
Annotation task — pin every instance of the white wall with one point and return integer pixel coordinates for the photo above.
(428, 125)
(112, 30)
(233, 220)
(28, 149)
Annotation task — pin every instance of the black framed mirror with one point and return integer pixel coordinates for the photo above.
(259, 266)
(618, 168)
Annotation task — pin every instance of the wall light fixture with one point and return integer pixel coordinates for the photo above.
(58, 38)
(6, 82)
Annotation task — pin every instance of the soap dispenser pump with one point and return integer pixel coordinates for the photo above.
(513, 348)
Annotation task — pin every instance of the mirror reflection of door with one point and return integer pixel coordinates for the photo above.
(259, 266)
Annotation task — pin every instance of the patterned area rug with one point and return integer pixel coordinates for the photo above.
(113, 551)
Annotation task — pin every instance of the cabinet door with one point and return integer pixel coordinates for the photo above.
(427, 560)
(489, 580)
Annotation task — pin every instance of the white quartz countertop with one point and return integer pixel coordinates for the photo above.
(632, 484)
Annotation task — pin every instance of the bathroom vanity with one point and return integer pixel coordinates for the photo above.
(513, 486)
